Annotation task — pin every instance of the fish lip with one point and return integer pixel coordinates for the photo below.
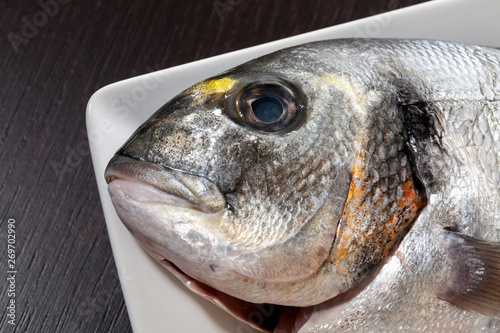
(195, 191)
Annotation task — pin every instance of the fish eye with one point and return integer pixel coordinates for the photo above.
(268, 107)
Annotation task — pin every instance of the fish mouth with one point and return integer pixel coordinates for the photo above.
(157, 184)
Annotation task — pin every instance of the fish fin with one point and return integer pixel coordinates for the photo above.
(474, 283)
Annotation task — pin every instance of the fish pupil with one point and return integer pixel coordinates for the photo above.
(267, 109)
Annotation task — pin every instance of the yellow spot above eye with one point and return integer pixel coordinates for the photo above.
(209, 87)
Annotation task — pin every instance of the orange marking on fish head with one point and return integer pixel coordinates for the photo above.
(374, 219)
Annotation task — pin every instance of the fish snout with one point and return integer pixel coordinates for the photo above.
(197, 191)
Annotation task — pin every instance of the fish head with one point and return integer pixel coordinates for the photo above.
(239, 185)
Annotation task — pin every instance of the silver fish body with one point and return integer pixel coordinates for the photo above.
(336, 186)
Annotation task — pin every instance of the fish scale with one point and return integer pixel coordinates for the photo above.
(295, 185)
(371, 204)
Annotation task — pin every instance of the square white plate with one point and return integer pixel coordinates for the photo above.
(155, 300)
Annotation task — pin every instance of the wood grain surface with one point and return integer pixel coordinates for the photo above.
(54, 55)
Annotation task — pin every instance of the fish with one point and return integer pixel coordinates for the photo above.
(348, 185)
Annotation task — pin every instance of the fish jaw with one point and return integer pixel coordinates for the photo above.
(130, 210)
(158, 205)
(149, 212)
(160, 211)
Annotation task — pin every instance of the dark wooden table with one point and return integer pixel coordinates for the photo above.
(54, 54)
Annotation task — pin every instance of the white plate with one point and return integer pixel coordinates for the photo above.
(156, 301)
